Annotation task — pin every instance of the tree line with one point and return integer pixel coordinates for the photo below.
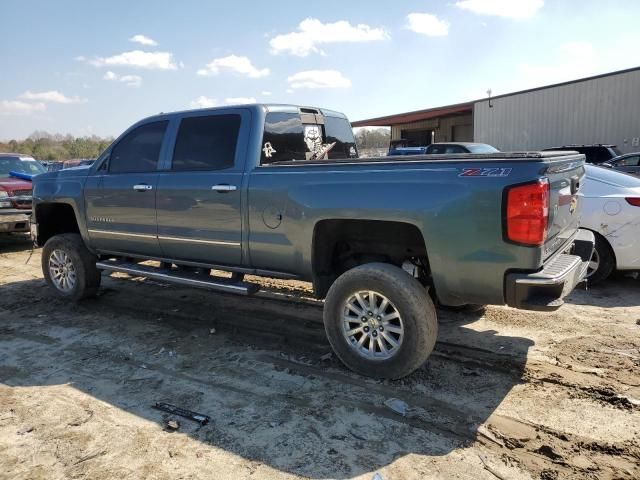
(373, 138)
(45, 146)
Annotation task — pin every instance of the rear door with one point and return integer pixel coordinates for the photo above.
(121, 195)
(199, 198)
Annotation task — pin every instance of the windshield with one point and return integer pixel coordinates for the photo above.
(482, 148)
(21, 165)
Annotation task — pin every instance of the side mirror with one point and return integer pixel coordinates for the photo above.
(607, 165)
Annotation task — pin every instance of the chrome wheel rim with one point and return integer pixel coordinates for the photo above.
(594, 263)
(372, 325)
(62, 271)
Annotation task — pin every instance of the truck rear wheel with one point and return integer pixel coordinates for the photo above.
(69, 268)
(380, 321)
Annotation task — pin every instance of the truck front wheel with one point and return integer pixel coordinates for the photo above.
(69, 268)
(380, 321)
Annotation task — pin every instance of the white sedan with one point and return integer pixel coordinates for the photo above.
(611, 209)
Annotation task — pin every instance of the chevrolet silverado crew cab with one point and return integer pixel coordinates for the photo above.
(279, 191)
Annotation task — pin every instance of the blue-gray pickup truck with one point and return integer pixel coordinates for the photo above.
(279, 191)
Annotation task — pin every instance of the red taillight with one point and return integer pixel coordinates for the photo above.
(527, 213)
(635, 201)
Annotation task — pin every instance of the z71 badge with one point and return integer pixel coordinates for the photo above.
(485, 172)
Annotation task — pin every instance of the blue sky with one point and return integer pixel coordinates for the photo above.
(96, 67)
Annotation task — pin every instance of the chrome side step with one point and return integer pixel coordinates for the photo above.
(179, 277)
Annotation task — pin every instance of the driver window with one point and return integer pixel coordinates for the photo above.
(139, 150)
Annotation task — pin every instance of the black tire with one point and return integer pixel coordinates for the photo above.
(603, 254)
(87, 276)
(411, 301)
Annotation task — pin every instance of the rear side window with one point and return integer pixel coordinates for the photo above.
(600, 155)
(444, 149)
(139, 150)
(283, 138)
(339, 130)
(594, 154)
(455, 149)
(206, 143)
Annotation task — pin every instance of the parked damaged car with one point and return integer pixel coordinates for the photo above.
(15, 191)
(611, 209)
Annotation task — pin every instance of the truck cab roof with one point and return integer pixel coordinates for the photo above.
(257, 107)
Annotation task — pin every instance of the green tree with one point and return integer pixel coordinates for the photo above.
(43, 146)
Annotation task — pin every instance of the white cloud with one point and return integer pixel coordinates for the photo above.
(131, 80)
(240, 100)
(143, 40)
(427, 24)
(203, 102)
(138, 59)
(312, 33)
(318, 79)
(235, 64)
(266, 93)
(128, 80)
(52, 96)
(16, 107)
(517, 9)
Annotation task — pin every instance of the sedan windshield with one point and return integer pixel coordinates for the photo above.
(20, 165)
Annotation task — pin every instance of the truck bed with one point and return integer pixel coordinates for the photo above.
(453, 157)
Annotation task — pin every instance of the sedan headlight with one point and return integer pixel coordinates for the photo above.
(4, 203)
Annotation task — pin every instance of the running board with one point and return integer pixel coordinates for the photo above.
(179, 277)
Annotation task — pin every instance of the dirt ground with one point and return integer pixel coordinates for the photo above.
(507, 394)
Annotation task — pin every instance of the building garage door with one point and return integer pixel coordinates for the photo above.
(417, 138)
(462, 133)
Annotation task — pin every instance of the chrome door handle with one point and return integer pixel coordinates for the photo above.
(142, 187)
(224, 188)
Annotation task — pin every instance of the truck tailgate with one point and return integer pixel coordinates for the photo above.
(565, 180)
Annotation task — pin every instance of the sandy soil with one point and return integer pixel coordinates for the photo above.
(507, 394)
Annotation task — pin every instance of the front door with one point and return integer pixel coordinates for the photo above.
(121, 194)
(199, 198)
